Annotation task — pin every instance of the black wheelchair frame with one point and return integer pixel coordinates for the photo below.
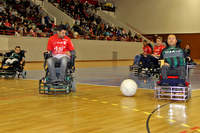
(64, 87)
(141, 71)
(177, 93)
(11, 71)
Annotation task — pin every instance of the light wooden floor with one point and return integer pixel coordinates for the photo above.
(92, 109)
(39, 66)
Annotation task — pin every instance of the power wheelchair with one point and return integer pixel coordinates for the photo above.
(14, 69)
(149, 68)
(64, 87)
(175, 91)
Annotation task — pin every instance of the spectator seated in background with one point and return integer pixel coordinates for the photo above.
(187, 54)
(20, 17)
(91, 26)
(146, 49)
(157, 50)
(174, 63)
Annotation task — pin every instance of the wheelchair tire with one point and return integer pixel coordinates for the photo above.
(40, 82)
(40, 87)
(68, 90)
(13, 76)
(73, 89)
(131, 68)
(24, 74)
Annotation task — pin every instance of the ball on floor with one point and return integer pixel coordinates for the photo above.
(128, 87)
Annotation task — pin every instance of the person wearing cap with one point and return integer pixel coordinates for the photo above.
(60, 46)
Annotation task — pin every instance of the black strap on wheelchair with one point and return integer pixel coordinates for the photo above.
(46, 56)
(72, 61)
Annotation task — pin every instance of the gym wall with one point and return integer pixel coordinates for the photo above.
(86, 49)
(160, 16)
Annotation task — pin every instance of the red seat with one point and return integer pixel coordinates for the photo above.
(172, 77)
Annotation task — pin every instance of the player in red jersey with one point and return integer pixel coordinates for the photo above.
(60, 46)
(157, 50)
(147, 48)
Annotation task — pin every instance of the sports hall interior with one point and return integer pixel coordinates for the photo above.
(98, 106)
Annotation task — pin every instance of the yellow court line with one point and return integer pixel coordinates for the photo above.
(125, 107)
(104, 102)
(84, 98)
(147, 113)
(158, 116)
(170, 120)
(185, 125)
(76, 96)
(94, 100)
(136, 110)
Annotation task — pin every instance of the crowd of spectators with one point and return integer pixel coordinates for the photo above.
(97, 4)
(91, 26)
(23, 18)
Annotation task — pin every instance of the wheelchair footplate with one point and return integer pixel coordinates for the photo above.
(54, 88)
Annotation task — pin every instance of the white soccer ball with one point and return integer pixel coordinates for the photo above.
(128, 87)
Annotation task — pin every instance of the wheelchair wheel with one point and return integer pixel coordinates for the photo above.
(13, 76)
(73, 88)
(136, 71)
(2, 76)
(40, 86)
(131, 68)
(24, 74)
(68, 90)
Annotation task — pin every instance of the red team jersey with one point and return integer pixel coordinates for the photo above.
(158, 49)
(147, 49)
(59, 45)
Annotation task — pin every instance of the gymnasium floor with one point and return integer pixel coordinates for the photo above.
(97, 106)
